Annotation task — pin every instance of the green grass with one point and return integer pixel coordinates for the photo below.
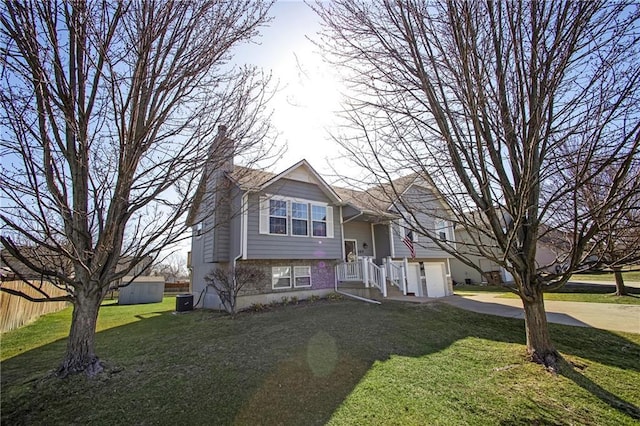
(342, 362)
(592, 294)
(632, 299)
(628, 276)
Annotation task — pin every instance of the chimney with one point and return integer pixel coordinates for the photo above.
(223, 149)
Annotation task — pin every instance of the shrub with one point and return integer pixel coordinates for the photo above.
(258, 307)
(229, 282)
(334, 296)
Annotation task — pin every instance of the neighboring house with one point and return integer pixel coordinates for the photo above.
(306, 235)
(550, 258)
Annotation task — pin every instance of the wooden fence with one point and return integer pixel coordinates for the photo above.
(16, 311)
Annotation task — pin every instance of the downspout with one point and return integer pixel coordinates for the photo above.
(391, 242)
(243, 230)
(344, 255)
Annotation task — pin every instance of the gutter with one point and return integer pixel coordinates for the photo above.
(353, 217)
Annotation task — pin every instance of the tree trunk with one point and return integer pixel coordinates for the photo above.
(539, 345)
(621, 290)
(80, 356)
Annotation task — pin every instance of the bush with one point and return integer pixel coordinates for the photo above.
(229, 282)
(334, 296)
(258, 307)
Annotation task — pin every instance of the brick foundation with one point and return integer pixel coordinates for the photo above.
(322, 276)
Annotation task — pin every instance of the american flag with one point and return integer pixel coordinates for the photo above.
(408, 241)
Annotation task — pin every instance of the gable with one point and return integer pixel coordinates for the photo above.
(303, 172)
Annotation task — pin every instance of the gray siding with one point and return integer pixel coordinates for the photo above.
(383, 249)
(235, 234)
(223, 216)
(360, 231)
(208, 238)
(428, 207)
(263, 246)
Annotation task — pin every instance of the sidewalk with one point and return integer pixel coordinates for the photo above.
(606, 316)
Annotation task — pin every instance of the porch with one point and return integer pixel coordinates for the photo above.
(364, 277)
(397, 279)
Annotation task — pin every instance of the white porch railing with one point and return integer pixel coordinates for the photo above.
(349, 271)
(375, 276)
(397, 276)
(396, 273)
(363, 270)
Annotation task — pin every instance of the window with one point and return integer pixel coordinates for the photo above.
(441, 228)
(299, 219)
(319, 220)
(278, 217)
(281, 277)
(302, 276)
(407, 230)
(295, 217)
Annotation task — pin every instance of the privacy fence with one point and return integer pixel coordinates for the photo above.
(16, 311)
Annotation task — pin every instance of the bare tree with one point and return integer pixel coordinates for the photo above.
(616, 245)
(229, 283)
(109, 112)
(173, 267)
(484, 101)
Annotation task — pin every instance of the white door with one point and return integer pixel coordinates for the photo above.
(351, 258)
(413, 279)
(436, 282)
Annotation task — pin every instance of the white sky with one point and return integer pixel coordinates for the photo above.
(304, 108)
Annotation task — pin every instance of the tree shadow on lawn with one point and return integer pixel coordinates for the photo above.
(293, 365)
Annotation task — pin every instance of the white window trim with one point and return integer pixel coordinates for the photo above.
(286, 216)
(295, 276)
(326, 221)
(291, 218)
(273, 287)
(442, 225)
(265, 215)
(410, 227)
(197, 230)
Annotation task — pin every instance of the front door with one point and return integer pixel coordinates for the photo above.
(350, 250)
(351, 257)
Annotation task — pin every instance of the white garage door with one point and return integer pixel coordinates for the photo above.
(436, 281)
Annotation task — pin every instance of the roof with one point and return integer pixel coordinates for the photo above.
(249, 179)
(378, 200)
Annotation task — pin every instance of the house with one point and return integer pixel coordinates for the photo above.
(308, 236)
(551, 255)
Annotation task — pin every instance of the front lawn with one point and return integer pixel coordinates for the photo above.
(568, 293)
(632, 276)
(341, 362)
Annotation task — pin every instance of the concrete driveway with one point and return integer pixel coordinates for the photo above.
(606, 316)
